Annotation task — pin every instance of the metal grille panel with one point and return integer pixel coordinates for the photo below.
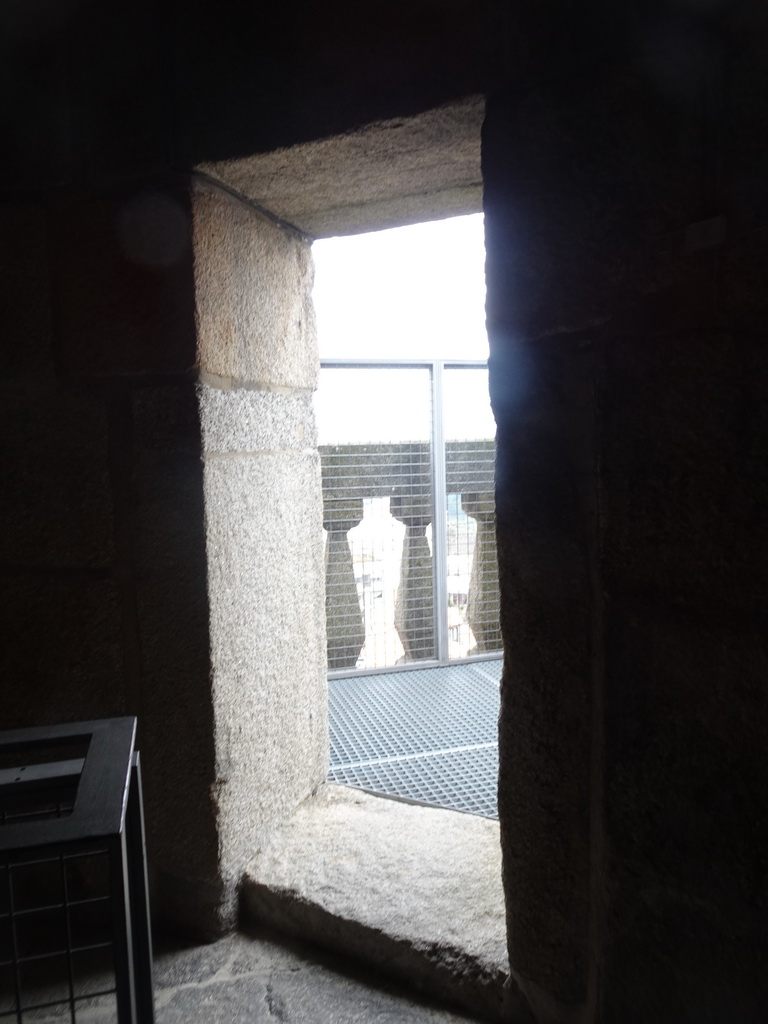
(74, 926)
(407, 457)
(377, 490)
(55, 927)
(428, 735)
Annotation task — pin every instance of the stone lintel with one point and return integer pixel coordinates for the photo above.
(385, 174)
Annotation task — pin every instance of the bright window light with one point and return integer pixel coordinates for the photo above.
(414, 292)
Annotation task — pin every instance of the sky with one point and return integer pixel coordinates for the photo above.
(405, 293)
(416, 291)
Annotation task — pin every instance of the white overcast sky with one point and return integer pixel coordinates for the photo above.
(417, 291)
(406, 293)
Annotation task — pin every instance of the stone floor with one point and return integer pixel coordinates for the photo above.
(254, 979)
(418, 888)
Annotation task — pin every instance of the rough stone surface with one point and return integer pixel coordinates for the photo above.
(415, 890)
(543, 523)
(632, 545)
(249, 978)
(250, 421)
(396, 172)
(265, 571)
(255, 320)
(253, 979)
(483, 604)
(263, 516)
(633, 803)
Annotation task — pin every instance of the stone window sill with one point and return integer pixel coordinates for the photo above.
(414, 891)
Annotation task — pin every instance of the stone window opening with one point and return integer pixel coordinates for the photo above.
(411, 578)
(254, 221)
(404, 420)
(412, 607)
(407, 448)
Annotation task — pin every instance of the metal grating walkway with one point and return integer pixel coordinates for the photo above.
(428, 735)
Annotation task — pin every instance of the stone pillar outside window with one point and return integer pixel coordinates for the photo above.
(483, 604)
(415, 603)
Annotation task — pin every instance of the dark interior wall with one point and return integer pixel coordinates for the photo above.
(629, 382)
(103, 567)
(105, 108)
(103, 564)
(254, 77)
(627, 294)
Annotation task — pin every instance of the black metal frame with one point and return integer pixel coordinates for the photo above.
(92, 808)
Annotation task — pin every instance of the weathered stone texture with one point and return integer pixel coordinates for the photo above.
(255, 977)
(628, 379)
(248, 421)
(263, 522)
(414, 890)
(265, 571)
(544, 549)
(627, 307)
(263, 517)
(388, 174)
(256, 323)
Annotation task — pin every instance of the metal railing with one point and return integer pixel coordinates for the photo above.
(411, 574)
